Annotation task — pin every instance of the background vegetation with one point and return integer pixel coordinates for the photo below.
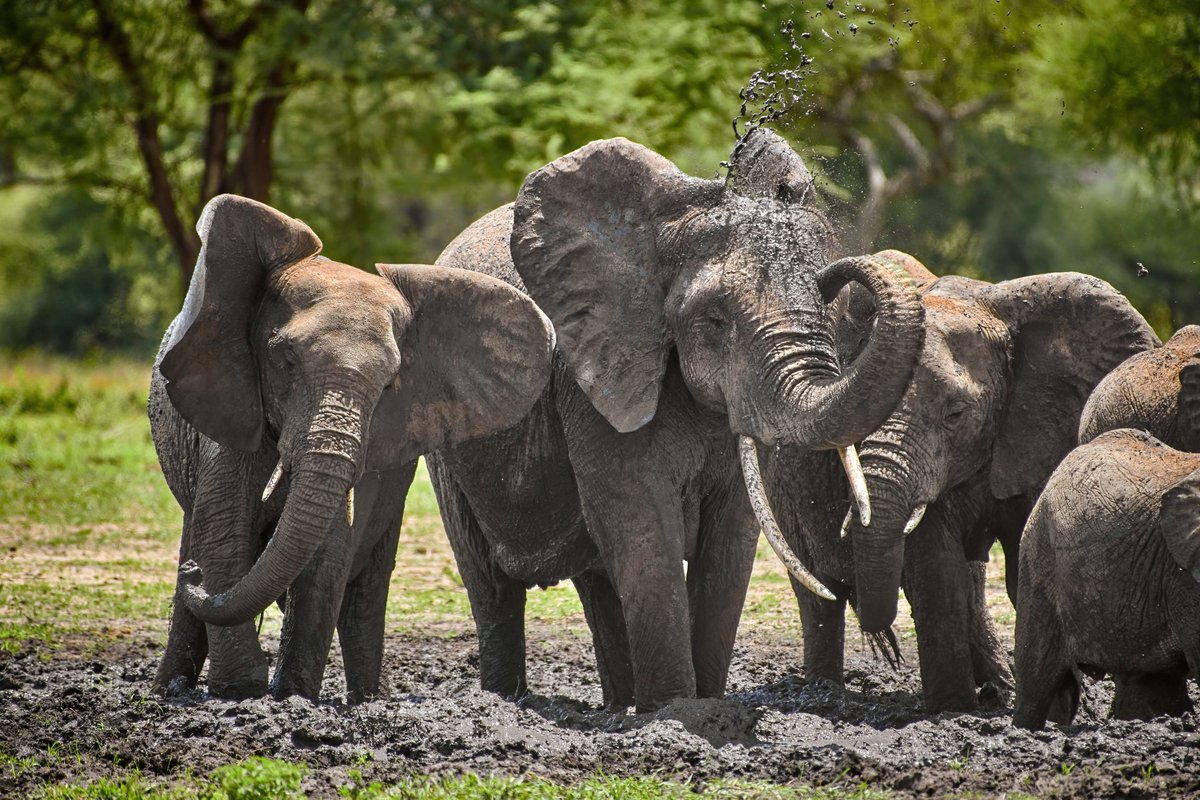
(988, 138)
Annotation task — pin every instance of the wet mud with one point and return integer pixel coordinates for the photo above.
(73, 717)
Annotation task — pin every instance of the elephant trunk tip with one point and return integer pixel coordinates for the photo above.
(876, 616)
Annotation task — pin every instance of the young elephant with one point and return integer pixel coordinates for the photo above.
(993, 405)
(1110, 581)
(1156, 391)
(692, 323)
(289, 401)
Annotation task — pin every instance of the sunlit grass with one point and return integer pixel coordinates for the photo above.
(259, 777)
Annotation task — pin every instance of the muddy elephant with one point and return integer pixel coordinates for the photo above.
(289, 402)
(1156, 391)
(1110, 581)
(691, 324)
(993, 405)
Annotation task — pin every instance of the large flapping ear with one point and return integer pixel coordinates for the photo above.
(1068, 330)
(474, 357)
(1179, 522)
(210, 370)
(585, 242)
(764, 165)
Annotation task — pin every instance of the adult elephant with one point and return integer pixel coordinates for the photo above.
(289, 402)
(691, 324)
(1156, 390)
(993, 405)
(1110, 581)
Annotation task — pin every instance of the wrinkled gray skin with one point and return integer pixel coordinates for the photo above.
(1156, 391)
(688, 312)
(994, 403)
(1110, 581)
(343, 378)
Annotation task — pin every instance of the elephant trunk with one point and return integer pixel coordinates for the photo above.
(847, 409)
(879, 548)
(322, 480)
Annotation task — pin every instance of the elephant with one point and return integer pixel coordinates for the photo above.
(289, 402)
(1110, 581)
(692, 328)
(1156, 391)
(993, 404)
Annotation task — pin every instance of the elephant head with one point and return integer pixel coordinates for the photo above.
(1157, 391)
(994, 402)
(638, 263)
(336, 371)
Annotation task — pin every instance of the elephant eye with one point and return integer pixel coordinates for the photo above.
(955, 411)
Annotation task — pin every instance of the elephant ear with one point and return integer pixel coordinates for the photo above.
(1179, 522)
(1068, 331)
(1187, 414)
(475, 356)
(211, 375)
(585, 243)
(764, 165)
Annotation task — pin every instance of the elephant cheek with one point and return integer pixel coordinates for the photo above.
(878, 563)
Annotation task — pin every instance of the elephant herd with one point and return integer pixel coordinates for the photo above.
(629, 368)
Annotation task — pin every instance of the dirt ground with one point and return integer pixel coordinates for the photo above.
(79, 715)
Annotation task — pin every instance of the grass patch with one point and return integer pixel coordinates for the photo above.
(259, 778)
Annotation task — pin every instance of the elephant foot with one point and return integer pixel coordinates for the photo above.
(237, 668)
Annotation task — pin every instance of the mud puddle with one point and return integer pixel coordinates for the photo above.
(73, 717)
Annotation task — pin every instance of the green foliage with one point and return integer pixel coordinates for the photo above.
(256, 778)
(128, 787)
(1124, 78)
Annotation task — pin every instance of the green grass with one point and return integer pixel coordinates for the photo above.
(260, 778)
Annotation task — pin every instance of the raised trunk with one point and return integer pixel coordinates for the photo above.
(844, 411)
(324, 472)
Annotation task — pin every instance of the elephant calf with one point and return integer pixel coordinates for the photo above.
(1110, 581)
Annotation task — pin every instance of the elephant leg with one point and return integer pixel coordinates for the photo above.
(361, 620)
(226, 523)
(646, 566)
(717, 578)
(1047, 685)
(187, 641)
(497, 601)
(313, 604)
(602, 607)
(824, 627)
(1150, 694)
(988, 660)
(936, 580)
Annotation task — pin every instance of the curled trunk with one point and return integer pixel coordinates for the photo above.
(846, 410)
(322, 477)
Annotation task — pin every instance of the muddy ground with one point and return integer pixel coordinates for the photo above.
(77, 716)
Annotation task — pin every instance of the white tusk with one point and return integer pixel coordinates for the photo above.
(350, 507)
(766, 520)
(915, 519)
(846, 522)
(273, 482)
(858, 483)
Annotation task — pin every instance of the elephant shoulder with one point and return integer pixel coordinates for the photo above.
(484, 247)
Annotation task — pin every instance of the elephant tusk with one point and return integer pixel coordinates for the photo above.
(273, 481)
(915, 519)
(846, 522)
(350, 507)
(766, 520)
(858, 483)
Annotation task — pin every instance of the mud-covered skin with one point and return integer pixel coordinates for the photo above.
(1157, 391)
(688, 313)
(1110, 580)
(341, 378)
(434, 719)
(993, 404)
